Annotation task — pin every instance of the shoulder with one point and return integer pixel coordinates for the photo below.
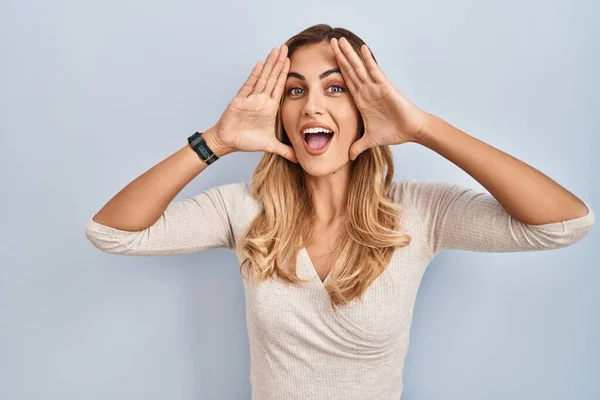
(236, 198)
(402, 191)
(234, 190)
(232, 194)
(418, 192)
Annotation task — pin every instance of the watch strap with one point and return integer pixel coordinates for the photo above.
(197, 142)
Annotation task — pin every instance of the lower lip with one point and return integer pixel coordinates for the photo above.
(316, 152)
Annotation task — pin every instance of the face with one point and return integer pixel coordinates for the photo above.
(315, 93)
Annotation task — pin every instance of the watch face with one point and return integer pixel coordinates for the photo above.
(204, 149)
(199, 145)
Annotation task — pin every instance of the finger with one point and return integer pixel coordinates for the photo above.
(355, 61)
(279, 64)
(349, 82)
(280, 85)
(350, 77)
(246, 89)
(358, 147)
(283, 150)
(374, 70)
(264, 75)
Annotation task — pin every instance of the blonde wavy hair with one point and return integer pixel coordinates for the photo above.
(283, 227)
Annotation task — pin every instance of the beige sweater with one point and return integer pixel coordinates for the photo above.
(301, 348)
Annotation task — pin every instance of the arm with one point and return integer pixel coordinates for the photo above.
(391, 118)
(141, 202)
(142, 219)
(525, 211)
(528, 195)
(455, 217)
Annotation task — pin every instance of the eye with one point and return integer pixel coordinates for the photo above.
(295, 91)
(341, 89)
(291, 91)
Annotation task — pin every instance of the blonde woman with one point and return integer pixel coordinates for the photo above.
(331, 248)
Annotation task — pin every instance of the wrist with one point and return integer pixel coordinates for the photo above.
(212, 140)
(424, 135)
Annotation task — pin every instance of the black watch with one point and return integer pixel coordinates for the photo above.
(197, 142)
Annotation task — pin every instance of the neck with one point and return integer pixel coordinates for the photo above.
(330, 195)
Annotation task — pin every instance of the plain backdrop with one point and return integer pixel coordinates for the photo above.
(92, 94)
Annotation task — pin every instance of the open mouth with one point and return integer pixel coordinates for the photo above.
(317, 139)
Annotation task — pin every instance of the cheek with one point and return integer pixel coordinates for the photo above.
(286, 116)
(349, 121)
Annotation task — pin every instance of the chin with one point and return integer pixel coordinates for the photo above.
(322, 167)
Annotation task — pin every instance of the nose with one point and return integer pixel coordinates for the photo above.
(313, 104)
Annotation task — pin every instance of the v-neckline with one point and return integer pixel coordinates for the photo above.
(313, 270)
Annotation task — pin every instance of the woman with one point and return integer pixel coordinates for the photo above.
(331, 249)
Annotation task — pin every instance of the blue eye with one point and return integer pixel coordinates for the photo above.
(291, 90)
(342, 90)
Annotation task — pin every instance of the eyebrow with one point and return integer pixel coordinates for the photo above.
(323, 75)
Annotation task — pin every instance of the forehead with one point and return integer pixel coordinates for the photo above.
(313, 59)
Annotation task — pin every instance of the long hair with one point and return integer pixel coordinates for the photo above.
(271, 243)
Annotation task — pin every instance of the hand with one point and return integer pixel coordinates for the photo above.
(389, 117)
(248, 123)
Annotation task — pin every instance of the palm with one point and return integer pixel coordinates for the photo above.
(382, 107)
(370, 94)
(389, 117)
(256, 104)
(255, 116)
(248, 123)
(370, 101)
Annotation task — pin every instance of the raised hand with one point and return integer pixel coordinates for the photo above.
(248, 123)
(389, 117)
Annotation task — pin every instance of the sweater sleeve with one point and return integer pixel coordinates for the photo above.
(190, 225)
(455, 217)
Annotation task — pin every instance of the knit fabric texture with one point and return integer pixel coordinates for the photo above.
(300, 347)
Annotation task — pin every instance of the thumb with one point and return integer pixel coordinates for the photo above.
(283, 150)
(358, 147)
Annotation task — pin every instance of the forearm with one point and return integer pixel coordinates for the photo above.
(526, 193)
(139, 204)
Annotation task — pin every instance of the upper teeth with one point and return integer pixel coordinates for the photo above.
(316, 130)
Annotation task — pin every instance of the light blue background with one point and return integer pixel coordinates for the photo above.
(94, 94)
